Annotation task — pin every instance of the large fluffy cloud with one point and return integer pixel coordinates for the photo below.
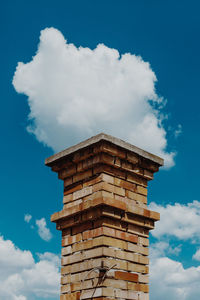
(179, 220)
(23, 278)
(74, 93)
(169, 278)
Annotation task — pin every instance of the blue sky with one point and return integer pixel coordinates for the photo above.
(164, 34)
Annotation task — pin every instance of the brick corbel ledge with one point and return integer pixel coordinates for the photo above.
(105, 221)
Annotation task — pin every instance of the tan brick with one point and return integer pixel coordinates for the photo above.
(68, 198)
(138, 220)
(82, 227)
(138, 249)
(137, 179)
(136, 197)
(129, 256)
(116, 284)
(71, 204)
(113, 150)
(143, 241)
(81, 266)
(68, 181)
(127, 165)
(110, 223)
(107, 178)
(138, 230)
(143, 296)
(82, 193)
(126, 294)
(148, 174)
(110, 232)
(138, 287)
(132, 157)
(74, 296)
(108, 262)
(82, 176)
(89, 294)
(92, 181)
(73, 189)
(65, 288)
(143, 278)
(66, 172)
(67, 250)
(141, 190)
(137, 268)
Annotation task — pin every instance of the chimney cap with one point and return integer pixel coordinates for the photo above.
(103, 137)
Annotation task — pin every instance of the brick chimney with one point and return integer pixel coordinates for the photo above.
(105, 221)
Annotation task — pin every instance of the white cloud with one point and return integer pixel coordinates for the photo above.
(179, 220)
(197, 255)
(170, 280)
(162, 248)
(178, 131)
(74, 93)
(168, 277)
(43, 230)
(27, 218)
(22, 278)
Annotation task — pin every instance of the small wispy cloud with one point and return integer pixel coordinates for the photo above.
(43, 230)
(27, 218)
(178, 131)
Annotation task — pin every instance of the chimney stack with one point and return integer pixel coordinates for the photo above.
(105, 221)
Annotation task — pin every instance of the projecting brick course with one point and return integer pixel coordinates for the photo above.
(105, 221)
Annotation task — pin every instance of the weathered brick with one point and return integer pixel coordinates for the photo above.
(82, 193)
(67, 250)
(110, 223)
(65, 288)
(68, 181)
(148, 174)
(132, 267)
(74, 296)
(129, 256)
(82, 227)
(123, 294)
(136, 197)
(71, 239)
(141, 190)
(132, 157)
(113, 150)
(92, 181)
(73, 189)
(143, 278)
(143, 241)
(108, 159)
(82, 176)
(138, 230)
(68, 198)
(137, 179)
(110, 232)
(127, 165)
(143, 296)
(66, 172)
(138, 287)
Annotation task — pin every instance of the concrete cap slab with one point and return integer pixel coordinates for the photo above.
(103, 137)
